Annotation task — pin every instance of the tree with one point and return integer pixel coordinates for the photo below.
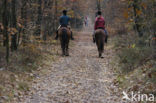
(137, 18)
(98, 4)
(13, 26)
(39, 19)
(5, 31)
(56, 13)
(24, 20)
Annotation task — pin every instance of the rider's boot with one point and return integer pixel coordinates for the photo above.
(106, 39)
(72, 36)
(56, 35)
(93, 39)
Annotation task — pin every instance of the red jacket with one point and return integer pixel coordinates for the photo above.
(99, 23)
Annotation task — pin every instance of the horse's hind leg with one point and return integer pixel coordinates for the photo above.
(101, 48)
(63, 49)
(67, 52)
(63, 52)
(101, 54)
(99, 51)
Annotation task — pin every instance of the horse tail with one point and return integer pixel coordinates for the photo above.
(64, 36)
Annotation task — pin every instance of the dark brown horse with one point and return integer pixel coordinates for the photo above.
(64, 35)
(100, 40)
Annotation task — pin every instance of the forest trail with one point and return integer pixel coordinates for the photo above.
(80, 78)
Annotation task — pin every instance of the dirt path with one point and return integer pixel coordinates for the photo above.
(80, 78)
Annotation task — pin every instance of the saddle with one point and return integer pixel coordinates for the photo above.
(64, 26)
(100, 28)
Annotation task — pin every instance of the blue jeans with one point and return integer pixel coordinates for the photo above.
(106, 32)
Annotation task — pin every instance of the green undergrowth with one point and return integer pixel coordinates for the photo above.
(134, 63)
(132, 51)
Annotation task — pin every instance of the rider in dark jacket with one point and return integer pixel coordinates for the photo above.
(64, 22)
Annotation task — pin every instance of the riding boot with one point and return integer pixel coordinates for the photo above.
(56, 35)
(93, 39)
(72, 36)
(106, 39)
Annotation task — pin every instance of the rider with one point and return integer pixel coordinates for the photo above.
(64, 22)
(99, 24)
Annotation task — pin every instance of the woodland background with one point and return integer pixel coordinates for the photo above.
(27, 28)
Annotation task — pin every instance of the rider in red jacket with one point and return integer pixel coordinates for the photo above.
(99, 24)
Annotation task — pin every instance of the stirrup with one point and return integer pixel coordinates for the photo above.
(93, 40)
(72, 38)
(56, 38)
(106, 40)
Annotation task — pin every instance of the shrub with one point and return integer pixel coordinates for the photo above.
(133, 52)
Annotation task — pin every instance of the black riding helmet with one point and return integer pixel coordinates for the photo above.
(64, 12)
(99, 12)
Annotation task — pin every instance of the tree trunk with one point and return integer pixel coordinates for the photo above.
(99, 5)
(24, 21)
(5, 24)
(137, 18)
(39, 20)
(55, 19)
(13, 25)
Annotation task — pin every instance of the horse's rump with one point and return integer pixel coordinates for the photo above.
(100, 32)
(63, 30)
(100, 38)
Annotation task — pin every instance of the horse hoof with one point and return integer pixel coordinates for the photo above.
(63, 55)
(99, 55)
(67, 54)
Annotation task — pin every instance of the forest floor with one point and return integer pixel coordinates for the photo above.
(80, 78)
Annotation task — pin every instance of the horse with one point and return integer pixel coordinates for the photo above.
(64, 36)
(100, 37)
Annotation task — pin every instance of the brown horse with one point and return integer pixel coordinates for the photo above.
(100, 37)
(64, 35)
